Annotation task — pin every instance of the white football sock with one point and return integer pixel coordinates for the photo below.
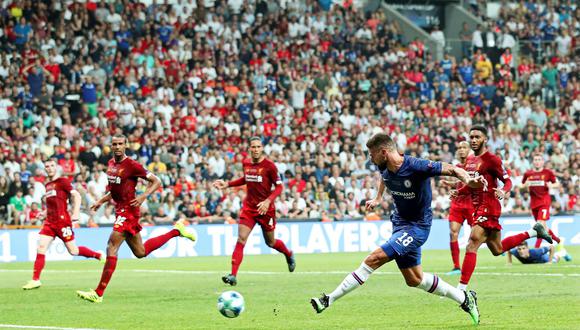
(351, 282)
(532, 233)
(462, 286)
(435, 285)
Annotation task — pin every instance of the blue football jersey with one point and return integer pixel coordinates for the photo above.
(537, 256)
(410, 187)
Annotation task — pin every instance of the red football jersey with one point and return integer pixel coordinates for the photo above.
(463, 199)
(123, 177)
(57, 196)
(259, 178)
(538, 183)
(490, 167)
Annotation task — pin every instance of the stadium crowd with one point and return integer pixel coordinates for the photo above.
(189, 83)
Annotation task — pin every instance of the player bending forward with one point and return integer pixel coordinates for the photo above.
(260, 174)
(461, 210)
(537, 181)
(409, 181)
(58, 222)
(487, 207)
(123, 174)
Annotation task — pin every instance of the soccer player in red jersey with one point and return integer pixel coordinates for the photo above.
(487, 207)
(537, 181)
(58, 222)
(260, 174)
(123, 173)
(461, 209)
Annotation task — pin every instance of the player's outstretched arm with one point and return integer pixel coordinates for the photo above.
(509, 258)
(107, 197)
(551, 257)
(154, 184)
(371, 204)
(76, 205)
(454, 171)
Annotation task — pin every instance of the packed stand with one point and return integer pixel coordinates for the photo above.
(190, 83)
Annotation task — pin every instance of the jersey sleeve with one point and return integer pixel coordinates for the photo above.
(66, 185)
(497, 169)
(426, 167)
(552, 177)
(275, 178)
(139, 171)
(525, 178)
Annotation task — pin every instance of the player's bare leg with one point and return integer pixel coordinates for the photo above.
(43, 244)
(141, 250)
(238, 255)
(113, 245)
(477, 237)
(279, 246)
(83, 251)
(454, 228)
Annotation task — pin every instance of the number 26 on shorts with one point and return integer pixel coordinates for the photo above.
(405, 239)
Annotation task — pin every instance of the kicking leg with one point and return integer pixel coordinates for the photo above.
(115, 241)
(358, 277)
(415, 277)
(43, 244)
(511, 242)
(279, 246)
(476, 238)
(454, 228)
(238, 255)
(81, 251)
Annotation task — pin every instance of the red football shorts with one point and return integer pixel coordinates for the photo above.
(63, 231)
(485, 220)
(461, 214)
(127, 221)
(541, 213)
(266, 221)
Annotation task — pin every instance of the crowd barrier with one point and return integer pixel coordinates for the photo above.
(307, 237)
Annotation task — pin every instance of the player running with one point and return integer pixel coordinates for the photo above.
(461, 209)
(487, 207)
(123, 173)
(537, 181)
(260, 174)
(409, 181)
(58, 222)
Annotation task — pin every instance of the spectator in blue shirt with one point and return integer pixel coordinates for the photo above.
(89, 91)
(23, 32)
(393, 89)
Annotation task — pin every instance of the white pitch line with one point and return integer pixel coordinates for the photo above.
(16, 326)
(332, 272)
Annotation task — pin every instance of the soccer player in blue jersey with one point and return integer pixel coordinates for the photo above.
(408, 181)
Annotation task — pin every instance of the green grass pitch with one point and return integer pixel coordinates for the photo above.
(182, 294)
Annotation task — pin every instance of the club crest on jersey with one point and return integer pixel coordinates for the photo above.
(407, 183)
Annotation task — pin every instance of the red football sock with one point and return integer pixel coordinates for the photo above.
(154, 243)
(455, 253)
(108, 271)
(538, 243)
(281, 247)
(554, 237)
(38, 266)
(88, 253)
(469, 262)
(237, 258)
(511, 242)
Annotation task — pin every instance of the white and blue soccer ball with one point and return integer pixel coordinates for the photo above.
(231, 304)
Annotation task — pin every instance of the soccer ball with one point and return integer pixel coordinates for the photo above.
(231, 304)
